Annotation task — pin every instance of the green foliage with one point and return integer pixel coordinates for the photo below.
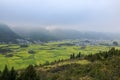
(9, 55)
(72, 56)
(47, 63)
(29, 74)
(12, 74)
(103, 55)
(5, 74)
(23, 45)
(5, 50)
(103, 66)
(99, 70)
(31, 52)
(20, 57)
(79, 55)
(8, 75)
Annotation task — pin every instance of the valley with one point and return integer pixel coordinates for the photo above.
(59, 39)
(37, 54)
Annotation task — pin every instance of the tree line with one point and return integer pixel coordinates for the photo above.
(28, 74)
(98, 56)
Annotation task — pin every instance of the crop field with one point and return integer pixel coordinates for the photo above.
(21, 57)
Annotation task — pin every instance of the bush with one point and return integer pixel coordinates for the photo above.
(24, 45)
(31, 52)
(9, 55)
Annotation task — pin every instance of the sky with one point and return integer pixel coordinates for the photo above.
(83, 15)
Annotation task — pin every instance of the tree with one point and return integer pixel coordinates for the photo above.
(115, 43)
(31, 52)
(47, 63)
(78, 55)
(5, 74)
(0, 74)
(23, 45)
(72, 56)
(29, 74)
(12, 74)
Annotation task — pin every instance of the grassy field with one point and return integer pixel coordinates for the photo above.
(47, 52)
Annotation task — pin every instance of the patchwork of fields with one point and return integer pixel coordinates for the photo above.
(20, 57)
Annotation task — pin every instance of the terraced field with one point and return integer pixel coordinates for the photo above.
(21, 57)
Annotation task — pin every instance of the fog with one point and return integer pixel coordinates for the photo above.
(83, 15)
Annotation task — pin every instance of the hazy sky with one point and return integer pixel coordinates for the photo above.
(87, 15)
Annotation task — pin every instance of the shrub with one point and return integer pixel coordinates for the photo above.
(31, 52)
(23, 45)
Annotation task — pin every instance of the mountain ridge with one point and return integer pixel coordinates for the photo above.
(43, 34)
(7, 35)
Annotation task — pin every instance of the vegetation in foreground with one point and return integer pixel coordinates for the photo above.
(101, 66)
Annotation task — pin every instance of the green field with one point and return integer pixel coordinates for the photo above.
(46, 52)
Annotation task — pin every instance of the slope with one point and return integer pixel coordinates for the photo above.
(7, 35)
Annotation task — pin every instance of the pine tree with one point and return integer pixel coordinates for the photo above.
(5, 74)
(29, 74)
(78, 55)
(72, 56)
(0, 74)
(12, 75)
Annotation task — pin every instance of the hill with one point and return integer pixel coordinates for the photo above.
(101, 66)
(7, 35)
(43, 34)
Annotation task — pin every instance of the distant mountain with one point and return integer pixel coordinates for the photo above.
(7, 35)
(43, 34)
(33, 34)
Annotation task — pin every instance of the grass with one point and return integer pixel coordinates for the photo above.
(47, 52)
(67, 62)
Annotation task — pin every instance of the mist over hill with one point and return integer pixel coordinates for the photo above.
(7, 35)
(44, 34)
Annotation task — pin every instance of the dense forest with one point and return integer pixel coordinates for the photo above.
(102, 66)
